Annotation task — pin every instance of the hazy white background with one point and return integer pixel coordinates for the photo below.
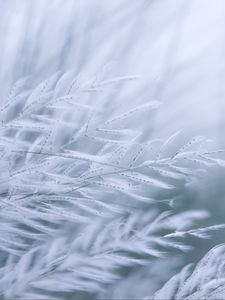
(177, 46)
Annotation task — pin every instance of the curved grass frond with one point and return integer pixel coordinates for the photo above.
(83, 199)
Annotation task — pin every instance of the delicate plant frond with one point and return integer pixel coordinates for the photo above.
(81, 193)
(206, 281)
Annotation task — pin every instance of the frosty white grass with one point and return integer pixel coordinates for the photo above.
(86, 200)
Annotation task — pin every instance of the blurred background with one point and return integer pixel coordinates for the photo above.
(177, 47)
